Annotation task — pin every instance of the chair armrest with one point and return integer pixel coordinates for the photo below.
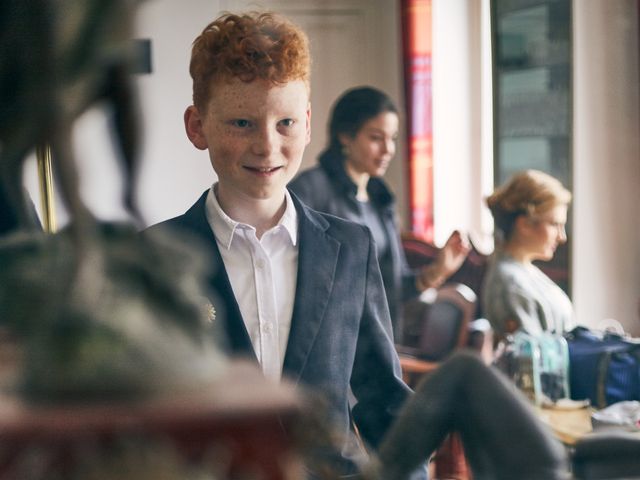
(480, 339)
(415, 365)
(407, 351)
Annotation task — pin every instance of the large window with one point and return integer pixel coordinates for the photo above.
(532, 96)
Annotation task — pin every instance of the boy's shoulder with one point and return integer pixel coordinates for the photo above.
(331, 224)
(313, 186)
(315, 174)
(193, 220)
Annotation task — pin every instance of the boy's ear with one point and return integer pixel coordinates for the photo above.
(193, 127)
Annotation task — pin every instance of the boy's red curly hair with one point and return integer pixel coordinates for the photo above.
(248, 46)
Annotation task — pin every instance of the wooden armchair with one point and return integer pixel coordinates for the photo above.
(471, 273)
(607, 456)
(444, 327)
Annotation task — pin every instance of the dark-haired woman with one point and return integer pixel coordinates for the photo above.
(348, 183)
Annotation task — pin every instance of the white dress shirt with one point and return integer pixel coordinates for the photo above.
(263, 278)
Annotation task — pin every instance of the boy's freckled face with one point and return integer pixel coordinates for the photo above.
(256, 134)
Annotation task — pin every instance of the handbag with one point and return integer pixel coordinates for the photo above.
(603, 366)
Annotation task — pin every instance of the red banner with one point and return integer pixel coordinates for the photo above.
(416, 35)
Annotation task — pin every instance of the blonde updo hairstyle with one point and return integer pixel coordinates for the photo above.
(529, 193)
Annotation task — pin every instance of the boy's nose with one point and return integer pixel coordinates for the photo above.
(263, 142)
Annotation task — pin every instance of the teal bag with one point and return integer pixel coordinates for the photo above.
(539, 366)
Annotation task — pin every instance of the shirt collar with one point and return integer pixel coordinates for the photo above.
(289, 219)
(224, 227)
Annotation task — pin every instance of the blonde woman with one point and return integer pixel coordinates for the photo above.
(530, 213)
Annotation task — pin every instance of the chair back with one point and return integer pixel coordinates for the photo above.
(471, 273)
(445, 326)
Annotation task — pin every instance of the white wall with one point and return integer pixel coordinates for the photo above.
(173, 172)
(606, 239)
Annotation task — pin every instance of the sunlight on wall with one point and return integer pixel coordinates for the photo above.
(463, 158)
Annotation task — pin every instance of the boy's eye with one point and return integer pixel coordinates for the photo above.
(287, 122)
(240, 122)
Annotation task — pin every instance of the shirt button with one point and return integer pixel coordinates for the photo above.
(260, 263)
(268, 327)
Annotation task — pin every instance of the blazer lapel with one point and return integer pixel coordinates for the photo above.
(195, 221)
(313, 289)
(236, 330)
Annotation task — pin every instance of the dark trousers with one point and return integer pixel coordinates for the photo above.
(502, 437)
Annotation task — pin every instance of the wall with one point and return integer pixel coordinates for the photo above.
(173, 172)
(606, 240)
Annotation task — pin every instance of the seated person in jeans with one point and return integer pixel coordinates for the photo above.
(502, 438)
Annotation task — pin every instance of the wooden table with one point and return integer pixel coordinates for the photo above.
(568, 425)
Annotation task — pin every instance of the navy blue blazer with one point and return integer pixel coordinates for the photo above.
(340, 334)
